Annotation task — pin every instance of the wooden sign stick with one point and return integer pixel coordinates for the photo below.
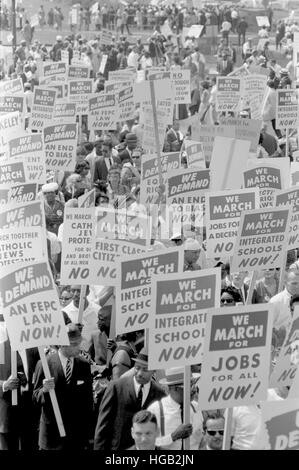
(14, 373)
(187, 395)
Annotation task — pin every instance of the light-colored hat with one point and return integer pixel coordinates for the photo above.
(49, 188)
(174, 376)
(192, 244)
(142, 357)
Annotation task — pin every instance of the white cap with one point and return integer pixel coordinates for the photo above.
(49, 187)
(192, 244)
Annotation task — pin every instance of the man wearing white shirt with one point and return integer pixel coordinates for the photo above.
(263, 33)
(133, 57)
(90, 315)
(169, 414)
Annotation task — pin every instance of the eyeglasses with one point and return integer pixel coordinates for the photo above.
(66, 298)
(226, 301)
(213, 433)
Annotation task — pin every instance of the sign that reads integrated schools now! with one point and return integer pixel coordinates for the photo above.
(102, 113)
(281, 424)
(150, 174)
(223, 212)
(179, 307)
(290, 197)
(78, 230)
(29, 148)
(60, 146)
(236, 358)
(42, 110)
(18, 193)
(79, 92)
(229, 94)
(287, 111)
(133, 294)
(262, 239)
(31, 307)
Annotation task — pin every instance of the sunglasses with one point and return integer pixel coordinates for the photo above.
(213, 433)
(226, 301)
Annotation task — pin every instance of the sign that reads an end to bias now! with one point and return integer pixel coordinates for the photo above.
(236, 358)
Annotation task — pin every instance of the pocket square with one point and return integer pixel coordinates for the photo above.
(80, 382)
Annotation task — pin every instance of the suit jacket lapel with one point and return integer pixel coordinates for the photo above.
(131, 390)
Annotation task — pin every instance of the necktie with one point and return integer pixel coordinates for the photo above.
(140, 396)
(241, 294)
(68, 371)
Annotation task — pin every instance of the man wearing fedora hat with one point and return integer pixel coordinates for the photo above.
(122, 399)
(169, 414)
(71, 378)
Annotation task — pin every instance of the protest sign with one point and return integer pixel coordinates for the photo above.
(147, 120)
(42, 108)
(125, 104)
(207, 134)
(262, 21)
(11, 103)
(291, 197)
(103, 63)
(179, 308)
(79, 92)
(75, 71)
(254, 89)
(10, 126)
(165, 107)
(78, 232)
(228, 159)
(18, 193)
(294, 173)
(149, 174)
(11, 87)
(31, 307)
(185, 124)
(195, 31)
(236, 357)
(151, 74)
(239, 72)
(223, 211)
(60, 87)
(60, 146)
(285, 369)
(55, 71)
(17, 170)
(87, 199)
(269, 177)
(287, 110)
(163, 90)
(182, 86)
(193, 151)
(34, 21)
(281, 424)
(113, 87)
(262, 239)
(122, 75)
(133, 294)
(29, 148)
(64, 111)
(229, 94)
(106, 36)
(21, 246)
(65, 55)
(117, 233)
(244, 129)
(102, 113)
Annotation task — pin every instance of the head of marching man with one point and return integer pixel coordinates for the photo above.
(292, 281)
(75, 339)
(141, 372)
(144, 430)
(213, 427)
(76, 292)
(174, 379)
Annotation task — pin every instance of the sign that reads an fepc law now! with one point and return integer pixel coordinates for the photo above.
(223, 212)
(262, 239)
(60, 146)
(133, 294)
(236, 358)
(177, 321)
(79, 92)
(229, 94)
(287, 111)
(102, 113)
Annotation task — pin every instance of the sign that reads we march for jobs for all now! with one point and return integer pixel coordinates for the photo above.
(223, 212)
(133, 294)
(236, 358)
(287, 110)
(281, 424)
(262, 239)
(177, 321)
(31, 307)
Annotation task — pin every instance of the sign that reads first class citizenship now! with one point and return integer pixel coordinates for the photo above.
(262, 239)
(287, 111)
(179, 307)
(133, 294)
(31, 307)
(236, 358)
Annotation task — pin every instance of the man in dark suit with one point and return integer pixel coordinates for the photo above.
(131, 143)
(104, 162)
(71, 378)
(225, 66)
(123, 398)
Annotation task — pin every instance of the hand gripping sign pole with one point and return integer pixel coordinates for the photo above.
(52, 393)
